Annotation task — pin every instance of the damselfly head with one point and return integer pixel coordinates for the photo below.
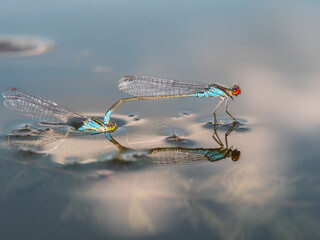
(235, 155)
(112, 127)
(236, 90)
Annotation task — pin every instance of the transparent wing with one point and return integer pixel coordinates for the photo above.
(175, 156)
(35, 107)
(152, 86)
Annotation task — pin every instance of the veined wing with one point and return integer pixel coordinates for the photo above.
(176, 156)
(35, 107)
(144, 86)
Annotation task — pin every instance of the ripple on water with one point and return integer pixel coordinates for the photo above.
(225, 126)
(182, 114)
(176, 140)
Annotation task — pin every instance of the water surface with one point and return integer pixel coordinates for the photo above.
(163, 174)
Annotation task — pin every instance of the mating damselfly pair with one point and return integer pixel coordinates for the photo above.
(142, 87)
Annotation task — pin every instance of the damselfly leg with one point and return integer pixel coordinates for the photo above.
(227, 110)
(214, 112)
(216, 137)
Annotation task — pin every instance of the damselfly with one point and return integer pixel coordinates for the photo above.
(144, 88)
(35, 107)
(181, 155)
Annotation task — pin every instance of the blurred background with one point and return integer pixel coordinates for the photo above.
(74, 52)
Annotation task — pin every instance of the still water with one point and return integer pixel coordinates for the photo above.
(166, 173)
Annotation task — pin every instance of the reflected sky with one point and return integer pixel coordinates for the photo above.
(151, 200)
(160, 200)
(269, 47)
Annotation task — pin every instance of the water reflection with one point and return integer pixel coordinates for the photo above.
(23, 46)
(41, 139)
(207, 198)
(181, 155)
(122, 188)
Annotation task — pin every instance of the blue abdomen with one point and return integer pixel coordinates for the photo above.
(214, 92)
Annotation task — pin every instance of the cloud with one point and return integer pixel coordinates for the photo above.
(102, 69)
(21, 46)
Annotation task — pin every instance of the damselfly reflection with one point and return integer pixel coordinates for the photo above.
(75, 146)
(181, 155)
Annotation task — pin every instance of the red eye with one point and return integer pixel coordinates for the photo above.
(235, 155)
(236, 90)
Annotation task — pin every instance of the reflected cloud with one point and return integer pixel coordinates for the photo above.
(277, 101)
(18, 46)
(137, 200)
(146, 201)
(102, 69)
(157, 200)
(137, 204)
